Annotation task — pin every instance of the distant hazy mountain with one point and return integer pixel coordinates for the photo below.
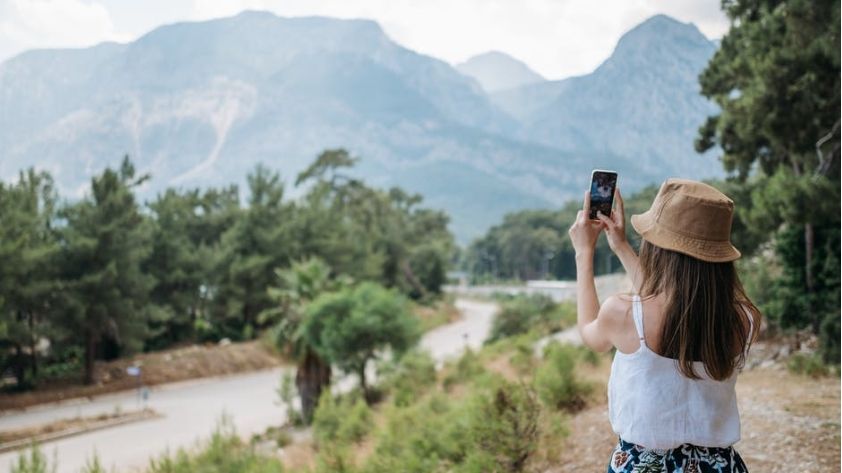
(649, 85)
(200, 104)
(497, 71)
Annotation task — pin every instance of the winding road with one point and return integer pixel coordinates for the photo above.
(190, 410)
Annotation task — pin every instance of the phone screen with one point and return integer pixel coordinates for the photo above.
(603, 184)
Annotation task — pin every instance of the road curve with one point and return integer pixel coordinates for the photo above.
(190, 410)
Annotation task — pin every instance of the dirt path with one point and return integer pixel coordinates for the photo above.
(790, 423)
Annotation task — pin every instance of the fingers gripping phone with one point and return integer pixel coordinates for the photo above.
(603, 184)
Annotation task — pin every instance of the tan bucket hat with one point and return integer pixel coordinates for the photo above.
(692, 218)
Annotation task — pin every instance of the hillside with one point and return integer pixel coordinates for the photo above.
(647, 86)
(201, 104)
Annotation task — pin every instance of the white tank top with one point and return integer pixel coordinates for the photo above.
(650, 403)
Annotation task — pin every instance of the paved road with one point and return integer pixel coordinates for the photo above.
(191, 409)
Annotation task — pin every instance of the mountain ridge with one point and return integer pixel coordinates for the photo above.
(496, 71)
(201, 103)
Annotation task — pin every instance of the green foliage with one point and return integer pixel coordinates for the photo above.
(224, 453)
(533, 244)
(28, 276)
(297, 286)
(504, 428)
(33, 461)
(107, 276)
(536, 313)
(252, 248)
(410, 377)
(466, 369)
(104, 244)
(556, 382)
(286, 394)
(93, 465)
(775, 79)
(810, 365)
(341, 420)
(186, 239)
(352, 326)
(423, 437)
(370, 234)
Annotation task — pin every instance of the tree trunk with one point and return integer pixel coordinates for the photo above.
(312, 375)
(809, 242)
(18, 367)
(33, 345)
(809, 239)
(90, 353)
(33, 340)
(410, 276)
(364, 385)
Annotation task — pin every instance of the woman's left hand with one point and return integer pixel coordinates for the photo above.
(584, 231)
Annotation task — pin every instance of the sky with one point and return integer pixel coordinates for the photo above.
(556, 38)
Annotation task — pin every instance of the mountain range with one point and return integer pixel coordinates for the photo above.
(202, 103)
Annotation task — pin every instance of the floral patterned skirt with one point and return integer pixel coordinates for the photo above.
(631, 458)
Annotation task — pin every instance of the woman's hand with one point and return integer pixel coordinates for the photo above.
(584, 231)
(615, 226)
(615, 230)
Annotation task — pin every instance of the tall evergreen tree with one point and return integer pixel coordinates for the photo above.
(775, 78)
(28, 285)
(104, 243)
(258, 242)
(177, 265)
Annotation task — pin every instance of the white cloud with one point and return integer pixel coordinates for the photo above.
(27, 24)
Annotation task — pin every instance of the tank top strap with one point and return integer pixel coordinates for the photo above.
(750, 333)
(637, 315)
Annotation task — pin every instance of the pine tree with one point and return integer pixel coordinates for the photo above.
(104, 243)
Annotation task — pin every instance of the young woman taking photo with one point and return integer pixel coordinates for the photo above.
(681, 338)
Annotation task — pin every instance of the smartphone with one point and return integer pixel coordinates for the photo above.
(603, 184)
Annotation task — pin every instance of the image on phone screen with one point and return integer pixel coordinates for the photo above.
(603, 184)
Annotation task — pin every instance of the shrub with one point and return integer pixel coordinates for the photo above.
(536, 313)
(424, 437)
(520, 314)
(224, 453)
(35, 462)
(286, 395)
(93, 465)
(523, 358)
(466, 369)
(505, 429)
(810, 365)
(410, 377)
(340, 420)
(556, 380)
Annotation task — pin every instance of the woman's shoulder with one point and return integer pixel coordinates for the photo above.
(615, 310)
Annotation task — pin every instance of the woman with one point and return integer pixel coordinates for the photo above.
(680, 339)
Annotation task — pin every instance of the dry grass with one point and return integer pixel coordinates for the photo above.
(178, 364)
(66, 425)
(789, 423)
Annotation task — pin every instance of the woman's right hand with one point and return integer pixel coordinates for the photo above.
(615, 226)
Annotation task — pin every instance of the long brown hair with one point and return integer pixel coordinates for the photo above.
(705, 310)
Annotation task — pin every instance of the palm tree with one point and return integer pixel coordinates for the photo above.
(298, 286)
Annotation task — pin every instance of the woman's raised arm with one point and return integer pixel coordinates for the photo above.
(615, 231)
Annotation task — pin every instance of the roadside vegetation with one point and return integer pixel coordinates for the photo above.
(106, 276)
(500, 409)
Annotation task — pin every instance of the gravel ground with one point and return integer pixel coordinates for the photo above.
(790, 423)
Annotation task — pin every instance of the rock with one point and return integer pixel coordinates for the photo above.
(225, 342)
